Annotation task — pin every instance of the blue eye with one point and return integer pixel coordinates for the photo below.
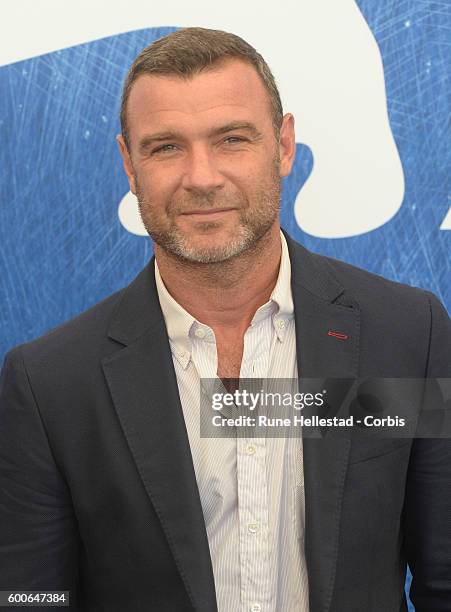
(234, 139)
(167, 148)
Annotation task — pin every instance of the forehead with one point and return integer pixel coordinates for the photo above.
(231, 91)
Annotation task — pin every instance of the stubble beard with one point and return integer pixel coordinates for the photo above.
(256, 218)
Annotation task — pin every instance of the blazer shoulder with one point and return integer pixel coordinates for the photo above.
(87, 329)
(398, 324)
(368, 287)
(133, 308)
(410, 323)
(328, 278)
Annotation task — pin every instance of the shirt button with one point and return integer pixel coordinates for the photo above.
(255, 607)
(200, 333)
(280, 323)
(250, 449)
(253, 527)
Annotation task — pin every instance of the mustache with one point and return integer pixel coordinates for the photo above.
(205, 202)
(192, 201)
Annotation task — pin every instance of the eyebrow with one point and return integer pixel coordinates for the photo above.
(150, 139)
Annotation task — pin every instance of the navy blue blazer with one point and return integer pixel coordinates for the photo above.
(97, 488)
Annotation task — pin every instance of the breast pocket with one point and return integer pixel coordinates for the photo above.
(364, 450)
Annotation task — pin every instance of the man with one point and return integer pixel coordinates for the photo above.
(107, 488)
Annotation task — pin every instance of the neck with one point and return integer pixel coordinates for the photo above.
(224, 295)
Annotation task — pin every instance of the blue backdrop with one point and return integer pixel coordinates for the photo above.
(62, 245)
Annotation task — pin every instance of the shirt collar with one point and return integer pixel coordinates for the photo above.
(181, 325)
(280, 304)
(178, 321)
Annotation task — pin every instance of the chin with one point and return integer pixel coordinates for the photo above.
(213, 250)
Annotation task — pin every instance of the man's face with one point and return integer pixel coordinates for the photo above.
(204, 161)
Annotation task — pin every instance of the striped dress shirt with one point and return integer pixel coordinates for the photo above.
(251, 490)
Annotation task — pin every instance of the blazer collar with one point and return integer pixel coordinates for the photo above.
(138, 311)
(139, 308)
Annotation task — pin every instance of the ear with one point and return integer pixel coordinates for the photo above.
(126, 160)
(287, 145)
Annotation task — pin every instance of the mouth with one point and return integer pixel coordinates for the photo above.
(208, 214)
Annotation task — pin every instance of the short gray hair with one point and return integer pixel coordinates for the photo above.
(189, 51)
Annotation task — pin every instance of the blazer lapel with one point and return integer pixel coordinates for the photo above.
(144, 389)
(321, 306)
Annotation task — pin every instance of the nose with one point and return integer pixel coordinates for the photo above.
(201, 172)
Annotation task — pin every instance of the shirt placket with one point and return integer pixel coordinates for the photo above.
(256, 588)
